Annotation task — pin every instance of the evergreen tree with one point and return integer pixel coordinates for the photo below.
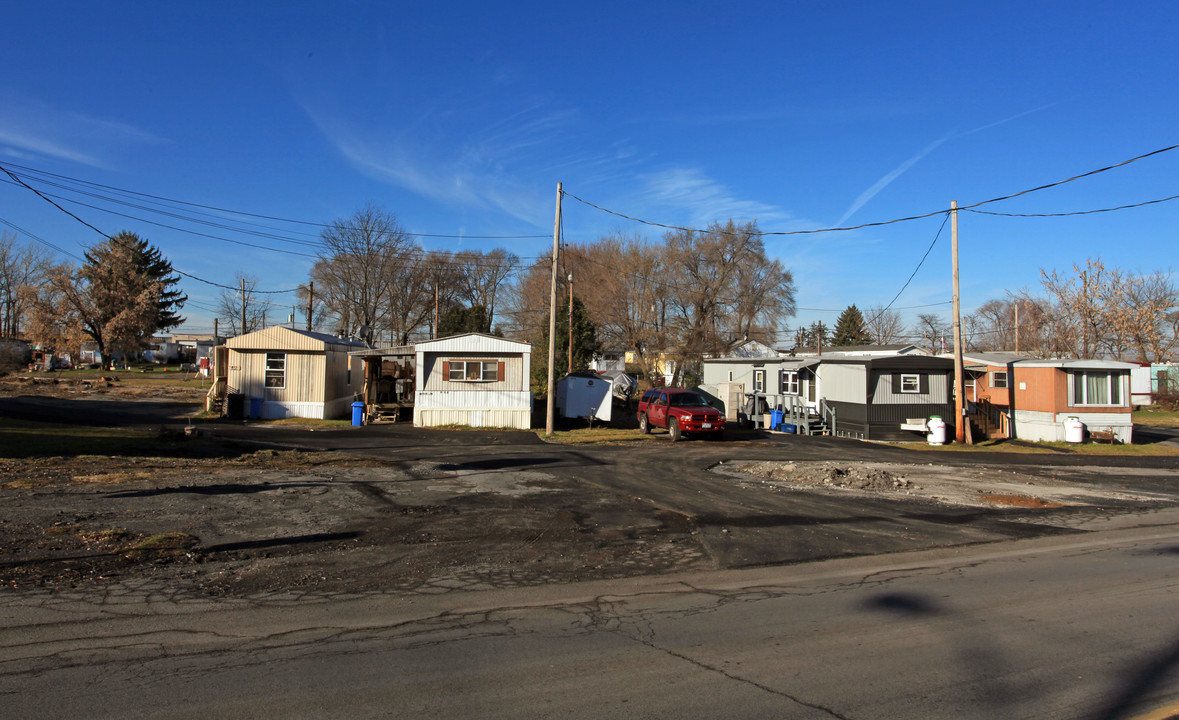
(459, 320)
(850, 328)
(127, 294)
(585, 346)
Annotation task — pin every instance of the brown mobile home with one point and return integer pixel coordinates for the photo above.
(294, 373)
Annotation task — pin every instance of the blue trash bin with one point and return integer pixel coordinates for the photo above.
(358, 413)
(776, 417)
(255, 408)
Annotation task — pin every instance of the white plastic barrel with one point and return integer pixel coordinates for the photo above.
(1074, 430)
(937, 431)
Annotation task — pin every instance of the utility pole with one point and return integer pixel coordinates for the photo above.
(548, 426)
(959, 385)
(435, 308)
(570, 323)
(216, 334)
(243, 332)
(1017, 327)
(310, 302)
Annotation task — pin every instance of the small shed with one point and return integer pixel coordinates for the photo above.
(585, 395)
(294, 373)
(473, 379)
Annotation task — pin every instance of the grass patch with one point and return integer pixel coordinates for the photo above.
(1156, 417)
(316, 423)
(27, 438)
(601, 436)
(1049, 448)
(163, 544)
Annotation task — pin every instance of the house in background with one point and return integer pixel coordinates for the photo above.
(475, 380)
(1044, 394)
(609, 361)
(194, 346)
(292, 373)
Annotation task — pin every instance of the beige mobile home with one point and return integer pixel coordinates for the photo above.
(473, 379)
(294, 373)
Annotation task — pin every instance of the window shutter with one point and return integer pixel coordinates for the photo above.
(896, 383)
(445, 369)
(923, 383)
(499, 371)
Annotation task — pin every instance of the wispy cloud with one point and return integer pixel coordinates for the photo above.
(705, 200)
(1006, 119)
(31, 129)
(883, 182)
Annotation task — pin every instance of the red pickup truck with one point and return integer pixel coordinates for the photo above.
(680, 411)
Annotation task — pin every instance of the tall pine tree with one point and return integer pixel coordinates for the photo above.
(850, 328)
(128, 294)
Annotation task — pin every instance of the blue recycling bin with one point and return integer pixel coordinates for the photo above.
(255, 408)
(358, 413)
(776, 417)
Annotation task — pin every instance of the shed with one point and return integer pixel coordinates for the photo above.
(473, 379)
(294, 373)
(585, 395)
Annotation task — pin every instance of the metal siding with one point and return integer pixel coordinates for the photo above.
(845, 383)
(939, 389)
(434, 380)
(473, 344)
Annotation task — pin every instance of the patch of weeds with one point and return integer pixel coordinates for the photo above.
(162, 545)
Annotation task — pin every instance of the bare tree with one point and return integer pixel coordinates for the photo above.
(22, 266)
(932, 329)
(482, 277)
(885, 326)
(241, 310)
(358, 270)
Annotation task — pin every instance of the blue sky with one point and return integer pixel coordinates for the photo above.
(461, 118)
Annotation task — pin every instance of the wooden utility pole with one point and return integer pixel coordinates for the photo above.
(570, 323)
(1017, 327)
(310, 303)
(959, 385)
(548, 425)
(243, 330)
(216, 335)
(435, 308)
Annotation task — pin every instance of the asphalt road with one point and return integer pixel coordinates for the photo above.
(1072, 627)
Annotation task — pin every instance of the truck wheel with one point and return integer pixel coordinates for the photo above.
(673, 427)
(644, 424)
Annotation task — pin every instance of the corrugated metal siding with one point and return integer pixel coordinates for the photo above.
(939, 389)
(473, 344)
(434, 380)
(516, 419)
(843, 383)
(472, 400)
(310, 377)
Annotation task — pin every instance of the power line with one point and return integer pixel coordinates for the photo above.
(1078, 212)
(911, 217)
(110, 238)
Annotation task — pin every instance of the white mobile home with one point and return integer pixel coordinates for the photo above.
(475, 380)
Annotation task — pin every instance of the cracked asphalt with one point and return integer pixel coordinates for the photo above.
(388, 571)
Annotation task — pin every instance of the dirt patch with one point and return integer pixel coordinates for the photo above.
(978, 486)
(1020, 501)
(281, 522)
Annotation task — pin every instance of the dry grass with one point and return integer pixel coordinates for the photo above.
(1050, 448)
(1157, 417)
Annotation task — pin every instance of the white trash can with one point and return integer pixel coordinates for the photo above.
(1074, 430)
(937, 431)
